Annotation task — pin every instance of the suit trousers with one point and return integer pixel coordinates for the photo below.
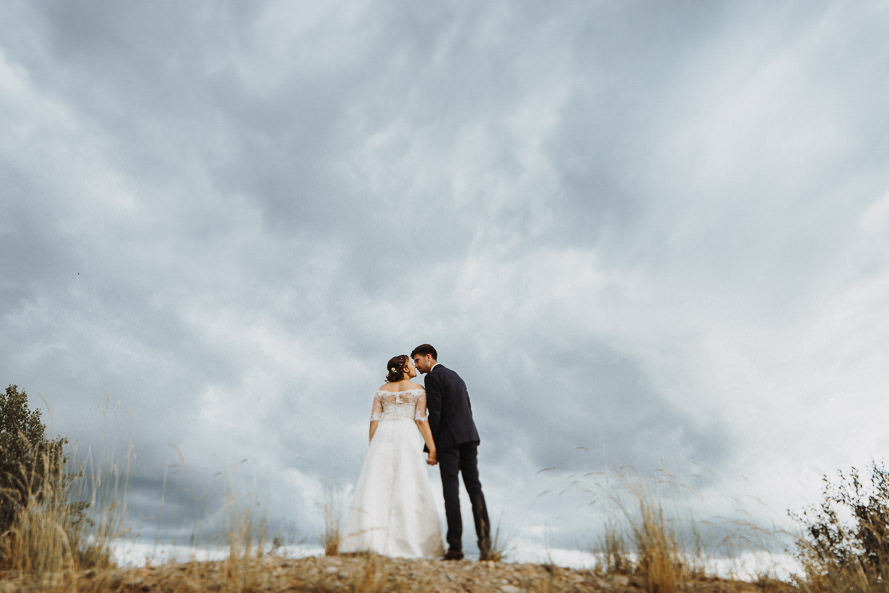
(463, 459)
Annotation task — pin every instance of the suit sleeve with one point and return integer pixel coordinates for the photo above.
(433, 401)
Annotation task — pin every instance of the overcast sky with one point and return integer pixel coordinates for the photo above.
(645, 233)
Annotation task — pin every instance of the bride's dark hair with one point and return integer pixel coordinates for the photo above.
(396, 366)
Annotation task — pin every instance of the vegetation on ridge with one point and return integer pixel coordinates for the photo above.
(845, 542)
(44, 527)
(48, 541)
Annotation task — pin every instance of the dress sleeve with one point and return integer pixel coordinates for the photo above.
(376, 412)
(421, 413)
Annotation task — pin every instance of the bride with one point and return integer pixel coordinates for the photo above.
(392, 512)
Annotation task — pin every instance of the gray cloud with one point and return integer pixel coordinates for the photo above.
(654, 232)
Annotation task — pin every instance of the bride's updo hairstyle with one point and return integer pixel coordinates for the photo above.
(396, 366)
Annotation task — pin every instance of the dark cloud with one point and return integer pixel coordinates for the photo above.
(557, 397)
(616, 221)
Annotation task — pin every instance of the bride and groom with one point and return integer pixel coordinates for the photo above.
(392, 511)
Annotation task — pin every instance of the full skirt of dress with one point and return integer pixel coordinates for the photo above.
(393, 510)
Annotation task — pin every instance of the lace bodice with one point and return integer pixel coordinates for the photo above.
(399, 405)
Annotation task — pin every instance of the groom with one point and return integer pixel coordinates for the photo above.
(455, 436)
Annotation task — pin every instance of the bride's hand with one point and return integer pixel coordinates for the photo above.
(431, 459)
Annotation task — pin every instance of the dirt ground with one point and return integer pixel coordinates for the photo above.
(365, 574)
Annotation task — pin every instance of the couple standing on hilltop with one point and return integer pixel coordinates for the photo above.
(392, 512)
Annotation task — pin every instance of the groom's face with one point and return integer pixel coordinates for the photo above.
(423, 363)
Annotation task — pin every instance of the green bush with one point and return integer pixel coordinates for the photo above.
(28, 459)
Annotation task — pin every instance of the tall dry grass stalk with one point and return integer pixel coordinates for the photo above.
(657, 551)
(614, 550)
(500, 546)
(331, 536)
(247, 535)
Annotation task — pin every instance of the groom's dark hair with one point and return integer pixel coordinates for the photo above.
(423, 350)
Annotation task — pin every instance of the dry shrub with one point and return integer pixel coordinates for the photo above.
(845, 544)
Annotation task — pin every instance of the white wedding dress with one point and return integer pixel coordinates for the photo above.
(393, 510)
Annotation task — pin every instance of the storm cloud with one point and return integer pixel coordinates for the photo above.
(645, 234)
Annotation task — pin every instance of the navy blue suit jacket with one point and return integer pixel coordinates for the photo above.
(450, 413)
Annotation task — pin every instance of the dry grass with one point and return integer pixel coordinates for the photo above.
(246, 543)
(42, 540)
(63, 527)
(667, 550)
(657, 551)
(659, 559)
(855, 576)
(499, 546)
(644, 543)
(614, 551)
(49, 550)
(332, 536)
